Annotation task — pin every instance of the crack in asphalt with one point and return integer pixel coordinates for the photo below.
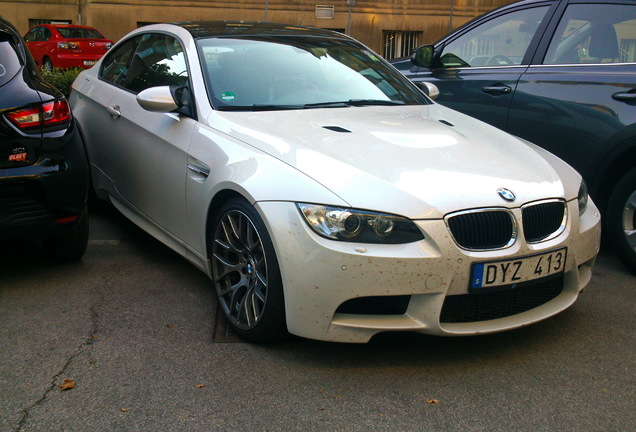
(95, 318)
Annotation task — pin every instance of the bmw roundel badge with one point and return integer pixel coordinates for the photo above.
(506, 194)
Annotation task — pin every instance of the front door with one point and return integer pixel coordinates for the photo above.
(477, 72)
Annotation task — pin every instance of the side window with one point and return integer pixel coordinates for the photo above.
(158, 61)
(116, 63)
(45, 34)
(499, 42)
(31, 35)
(594, 33)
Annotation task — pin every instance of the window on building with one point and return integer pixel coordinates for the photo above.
(400, 43)
(325, 11)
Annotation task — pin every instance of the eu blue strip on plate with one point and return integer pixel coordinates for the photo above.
(478, 275)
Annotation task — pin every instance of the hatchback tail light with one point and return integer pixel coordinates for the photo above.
(54, 114)
(67, 45)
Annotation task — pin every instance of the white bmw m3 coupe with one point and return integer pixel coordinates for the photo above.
(323, 193)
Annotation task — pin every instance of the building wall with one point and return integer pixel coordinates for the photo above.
(367, 21)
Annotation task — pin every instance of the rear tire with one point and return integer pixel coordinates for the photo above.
(621, 219)
(71, 245)
(47, 64)
(246, 274)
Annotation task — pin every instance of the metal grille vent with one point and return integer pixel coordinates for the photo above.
(483, 229)
(543, 221)
(512, 300)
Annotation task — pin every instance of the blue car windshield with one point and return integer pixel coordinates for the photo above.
(299, 73)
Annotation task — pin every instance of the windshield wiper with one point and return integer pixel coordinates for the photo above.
(363, 102)
(337, 104)
(353, 102)
(327, 105)
(259, 107)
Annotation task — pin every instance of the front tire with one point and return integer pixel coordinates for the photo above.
(621, 219)
(47, 64)
(246, 273)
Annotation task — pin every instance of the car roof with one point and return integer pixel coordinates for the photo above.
(205, 29)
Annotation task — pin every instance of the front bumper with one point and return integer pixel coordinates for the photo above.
(337, 291)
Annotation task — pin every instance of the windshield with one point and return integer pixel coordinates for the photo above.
(294, 73)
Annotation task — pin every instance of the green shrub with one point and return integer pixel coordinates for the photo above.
(61, 78)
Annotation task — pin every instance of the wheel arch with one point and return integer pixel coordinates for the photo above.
(271, 324)
(618, 163)
(217, 202)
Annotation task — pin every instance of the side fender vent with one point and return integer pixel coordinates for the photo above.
(337, 129)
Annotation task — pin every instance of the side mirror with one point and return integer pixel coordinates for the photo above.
(423, 56)
(157, 99)
(430, 89)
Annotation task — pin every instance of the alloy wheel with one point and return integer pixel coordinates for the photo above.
(240, 269)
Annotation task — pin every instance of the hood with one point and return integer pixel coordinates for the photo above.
(417, 161)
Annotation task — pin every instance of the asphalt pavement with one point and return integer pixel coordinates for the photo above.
(128, 339)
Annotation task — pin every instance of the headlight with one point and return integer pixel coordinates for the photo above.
(582, 198)
(359, 226)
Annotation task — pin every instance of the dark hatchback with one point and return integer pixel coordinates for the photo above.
(561, 74)
(43, 165)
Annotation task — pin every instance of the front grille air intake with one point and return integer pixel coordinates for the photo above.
(511, 300)
(483, 229)
(544, 220)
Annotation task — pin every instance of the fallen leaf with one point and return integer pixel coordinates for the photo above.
(68, 384)
(432, 401)
(199, 385)
(169, 325)
(124, 410)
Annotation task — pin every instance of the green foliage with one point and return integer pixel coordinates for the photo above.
(61, 78)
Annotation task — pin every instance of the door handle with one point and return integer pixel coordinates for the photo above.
(624, 97)
(114, 111)
(496, 90)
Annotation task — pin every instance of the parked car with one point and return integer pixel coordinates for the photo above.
(323, 193)
(43, 165)
(561, 74)
(66, 46)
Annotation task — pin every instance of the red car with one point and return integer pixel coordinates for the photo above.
(66, 46)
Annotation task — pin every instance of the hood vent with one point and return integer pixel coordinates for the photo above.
(337, 129)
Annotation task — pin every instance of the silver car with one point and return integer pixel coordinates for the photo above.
(323, 193)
